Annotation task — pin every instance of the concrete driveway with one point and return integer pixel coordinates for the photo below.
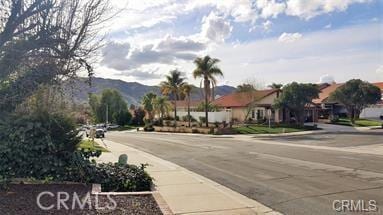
(293, 175)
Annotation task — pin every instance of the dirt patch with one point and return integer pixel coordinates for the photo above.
(23, 199)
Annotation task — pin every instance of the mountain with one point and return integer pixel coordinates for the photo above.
(132, 92)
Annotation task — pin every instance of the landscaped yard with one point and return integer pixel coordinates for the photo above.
(263, 129)
(358, 123)
(91, 145)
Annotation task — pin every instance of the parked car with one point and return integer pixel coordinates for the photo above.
(99, 132)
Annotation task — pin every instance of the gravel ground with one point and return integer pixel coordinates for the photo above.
(22, 199)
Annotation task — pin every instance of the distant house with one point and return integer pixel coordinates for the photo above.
(260, 103)
(182, 105)
(327, 109)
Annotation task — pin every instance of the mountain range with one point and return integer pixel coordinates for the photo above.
(132, 92)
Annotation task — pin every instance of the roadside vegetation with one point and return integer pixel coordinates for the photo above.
(43, 44)
(90, 145)
(357, 122)
(264, 129)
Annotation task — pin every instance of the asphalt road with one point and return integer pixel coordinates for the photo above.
(288, 174)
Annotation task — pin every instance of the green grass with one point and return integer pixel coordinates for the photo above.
(92, 146)
(123, 128)
(261, 129)
(358, 123)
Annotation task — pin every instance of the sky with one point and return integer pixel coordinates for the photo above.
(270, 41)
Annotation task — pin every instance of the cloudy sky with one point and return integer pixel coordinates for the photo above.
(265, 40)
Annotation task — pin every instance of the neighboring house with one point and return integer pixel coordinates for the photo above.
(327, 109)
(182, 105)
(260, 103)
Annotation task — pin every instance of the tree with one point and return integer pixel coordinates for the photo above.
(43, 42)
(207, 69)
(295, 97)
(248, 92)
(109, 105)
(210, 107)
(147, 102)
(186, 91)
(275, 86)
(161, 105)
(171, 87)
(123, 117)
(355, 95)
(138, 117)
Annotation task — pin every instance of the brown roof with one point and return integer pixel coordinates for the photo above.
(241, 99)
(184, 103)
(379, 84)
(325, 93)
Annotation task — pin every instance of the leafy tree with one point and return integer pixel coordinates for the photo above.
(355, 95)
(138, 117)
(147, 102)
(246, 87)
(210, 107)
(295, 97)
(161, 106)
(110, 102)
(186, 91)
(207, 69)
(123, 117)
(276, 86)
(43, 42)
(172, 86)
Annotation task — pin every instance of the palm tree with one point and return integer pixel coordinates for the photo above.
(207, 70)
(186, 91)
(171, 87)
(161, 105)
(147, 102)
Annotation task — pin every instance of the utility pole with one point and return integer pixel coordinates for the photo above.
(106, 123)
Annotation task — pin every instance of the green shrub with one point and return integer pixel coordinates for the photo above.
(39, 145)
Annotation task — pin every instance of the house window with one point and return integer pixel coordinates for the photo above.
(260, 114)
(253, 114)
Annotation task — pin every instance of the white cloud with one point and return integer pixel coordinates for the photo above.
(324, 52)
(270, 8)
(289, 37)
(310, 8)
(216, 28)
(329, 79)
(379, 70)
(267, 25)
(328, 26)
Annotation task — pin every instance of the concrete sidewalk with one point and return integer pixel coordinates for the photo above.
(184, 191)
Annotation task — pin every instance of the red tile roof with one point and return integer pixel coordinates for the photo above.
(325, 93)
(241, 99)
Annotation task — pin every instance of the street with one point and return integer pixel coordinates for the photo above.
(293, 175)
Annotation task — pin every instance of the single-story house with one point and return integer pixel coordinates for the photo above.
(327, 109)
(182, 105)
(260, 103)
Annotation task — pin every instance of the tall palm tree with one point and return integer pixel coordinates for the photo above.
(171, 87)
(147, 102)
(186, 91)
(161, 105)
(207, 69)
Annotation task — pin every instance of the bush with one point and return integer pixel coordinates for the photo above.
(115, 177)
(39, 145)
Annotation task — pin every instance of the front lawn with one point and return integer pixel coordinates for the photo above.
(358, 123)
(91, 146)
(263, 129)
